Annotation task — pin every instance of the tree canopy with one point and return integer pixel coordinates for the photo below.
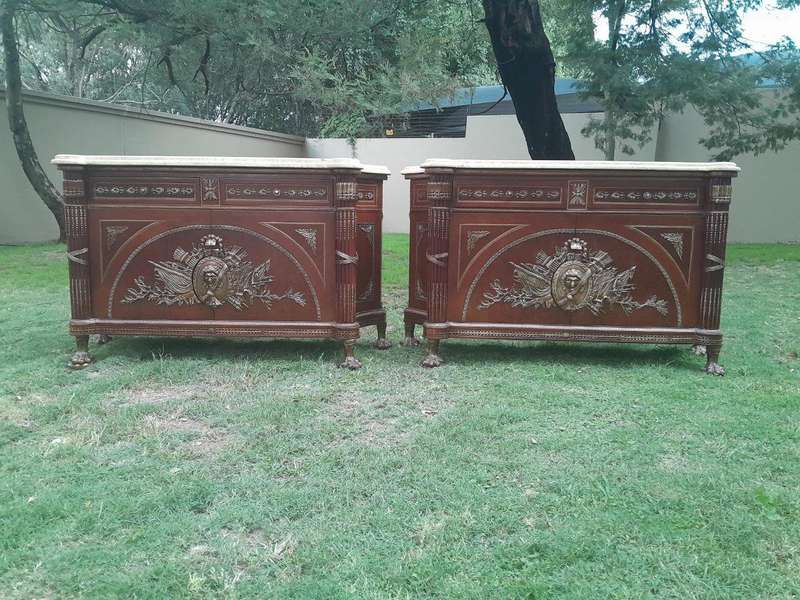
(663, 56)
(337, 67)
(317, 67)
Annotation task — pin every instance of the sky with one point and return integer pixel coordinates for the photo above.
(767, 26)
(761, 27)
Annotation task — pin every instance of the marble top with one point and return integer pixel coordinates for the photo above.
(602, 165)
(217, 161)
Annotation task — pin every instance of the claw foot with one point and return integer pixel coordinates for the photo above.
(383, 344)
(351, 362)
(713, 368)
(80, 360)
(432, 361)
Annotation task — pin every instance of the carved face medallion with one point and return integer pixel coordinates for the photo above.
(573, 278)
(211, 274)
(571, 285)
(210, 281)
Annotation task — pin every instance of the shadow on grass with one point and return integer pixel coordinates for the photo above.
(615, 356)
(153, 348)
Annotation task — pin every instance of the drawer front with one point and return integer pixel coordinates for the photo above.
(646, 193)
(513, 191)
(156, 189)
(276, 190)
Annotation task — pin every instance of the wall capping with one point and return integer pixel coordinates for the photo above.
(69, 102)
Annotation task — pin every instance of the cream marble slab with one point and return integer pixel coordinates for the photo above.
(603, 165)
(412, 171)
(216, 161)
(375, 170)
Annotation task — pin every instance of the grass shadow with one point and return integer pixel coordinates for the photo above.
(614, 356)
(153, 348)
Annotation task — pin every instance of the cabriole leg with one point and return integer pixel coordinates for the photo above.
(350, 361)
(382, 343)
(712, 360)
(81, 358)
(433, 359)
(410, 340)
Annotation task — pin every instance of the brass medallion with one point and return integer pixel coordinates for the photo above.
(572, 279)
(209, 274)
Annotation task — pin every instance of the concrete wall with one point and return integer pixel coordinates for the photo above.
(495, 137)
(766, 197)
(70, 126)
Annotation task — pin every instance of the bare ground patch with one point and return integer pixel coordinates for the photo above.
(160, 394)
(379, 422)
(205, 441)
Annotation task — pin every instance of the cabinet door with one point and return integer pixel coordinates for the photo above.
(272, 266)
(500, 266)
(143, 262)
(639, 269)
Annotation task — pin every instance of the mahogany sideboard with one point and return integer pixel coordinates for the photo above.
(215, 246)
(568, 251)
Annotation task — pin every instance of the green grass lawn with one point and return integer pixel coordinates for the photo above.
(248, 469)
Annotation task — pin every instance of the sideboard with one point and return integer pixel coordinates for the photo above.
(229, 247)
(568, 251)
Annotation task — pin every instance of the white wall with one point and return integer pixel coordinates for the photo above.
(488, 136)
(70, 126)
(766, 197)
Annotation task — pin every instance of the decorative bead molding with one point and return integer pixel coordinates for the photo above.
(167, 190)
(508, 194)
(274, 192)
(635, 196)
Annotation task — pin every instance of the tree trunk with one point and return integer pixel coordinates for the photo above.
(528, 69)
(19, 126)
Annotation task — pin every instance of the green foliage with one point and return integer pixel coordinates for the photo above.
(668, 55)
(312, 67)
(257, 469)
